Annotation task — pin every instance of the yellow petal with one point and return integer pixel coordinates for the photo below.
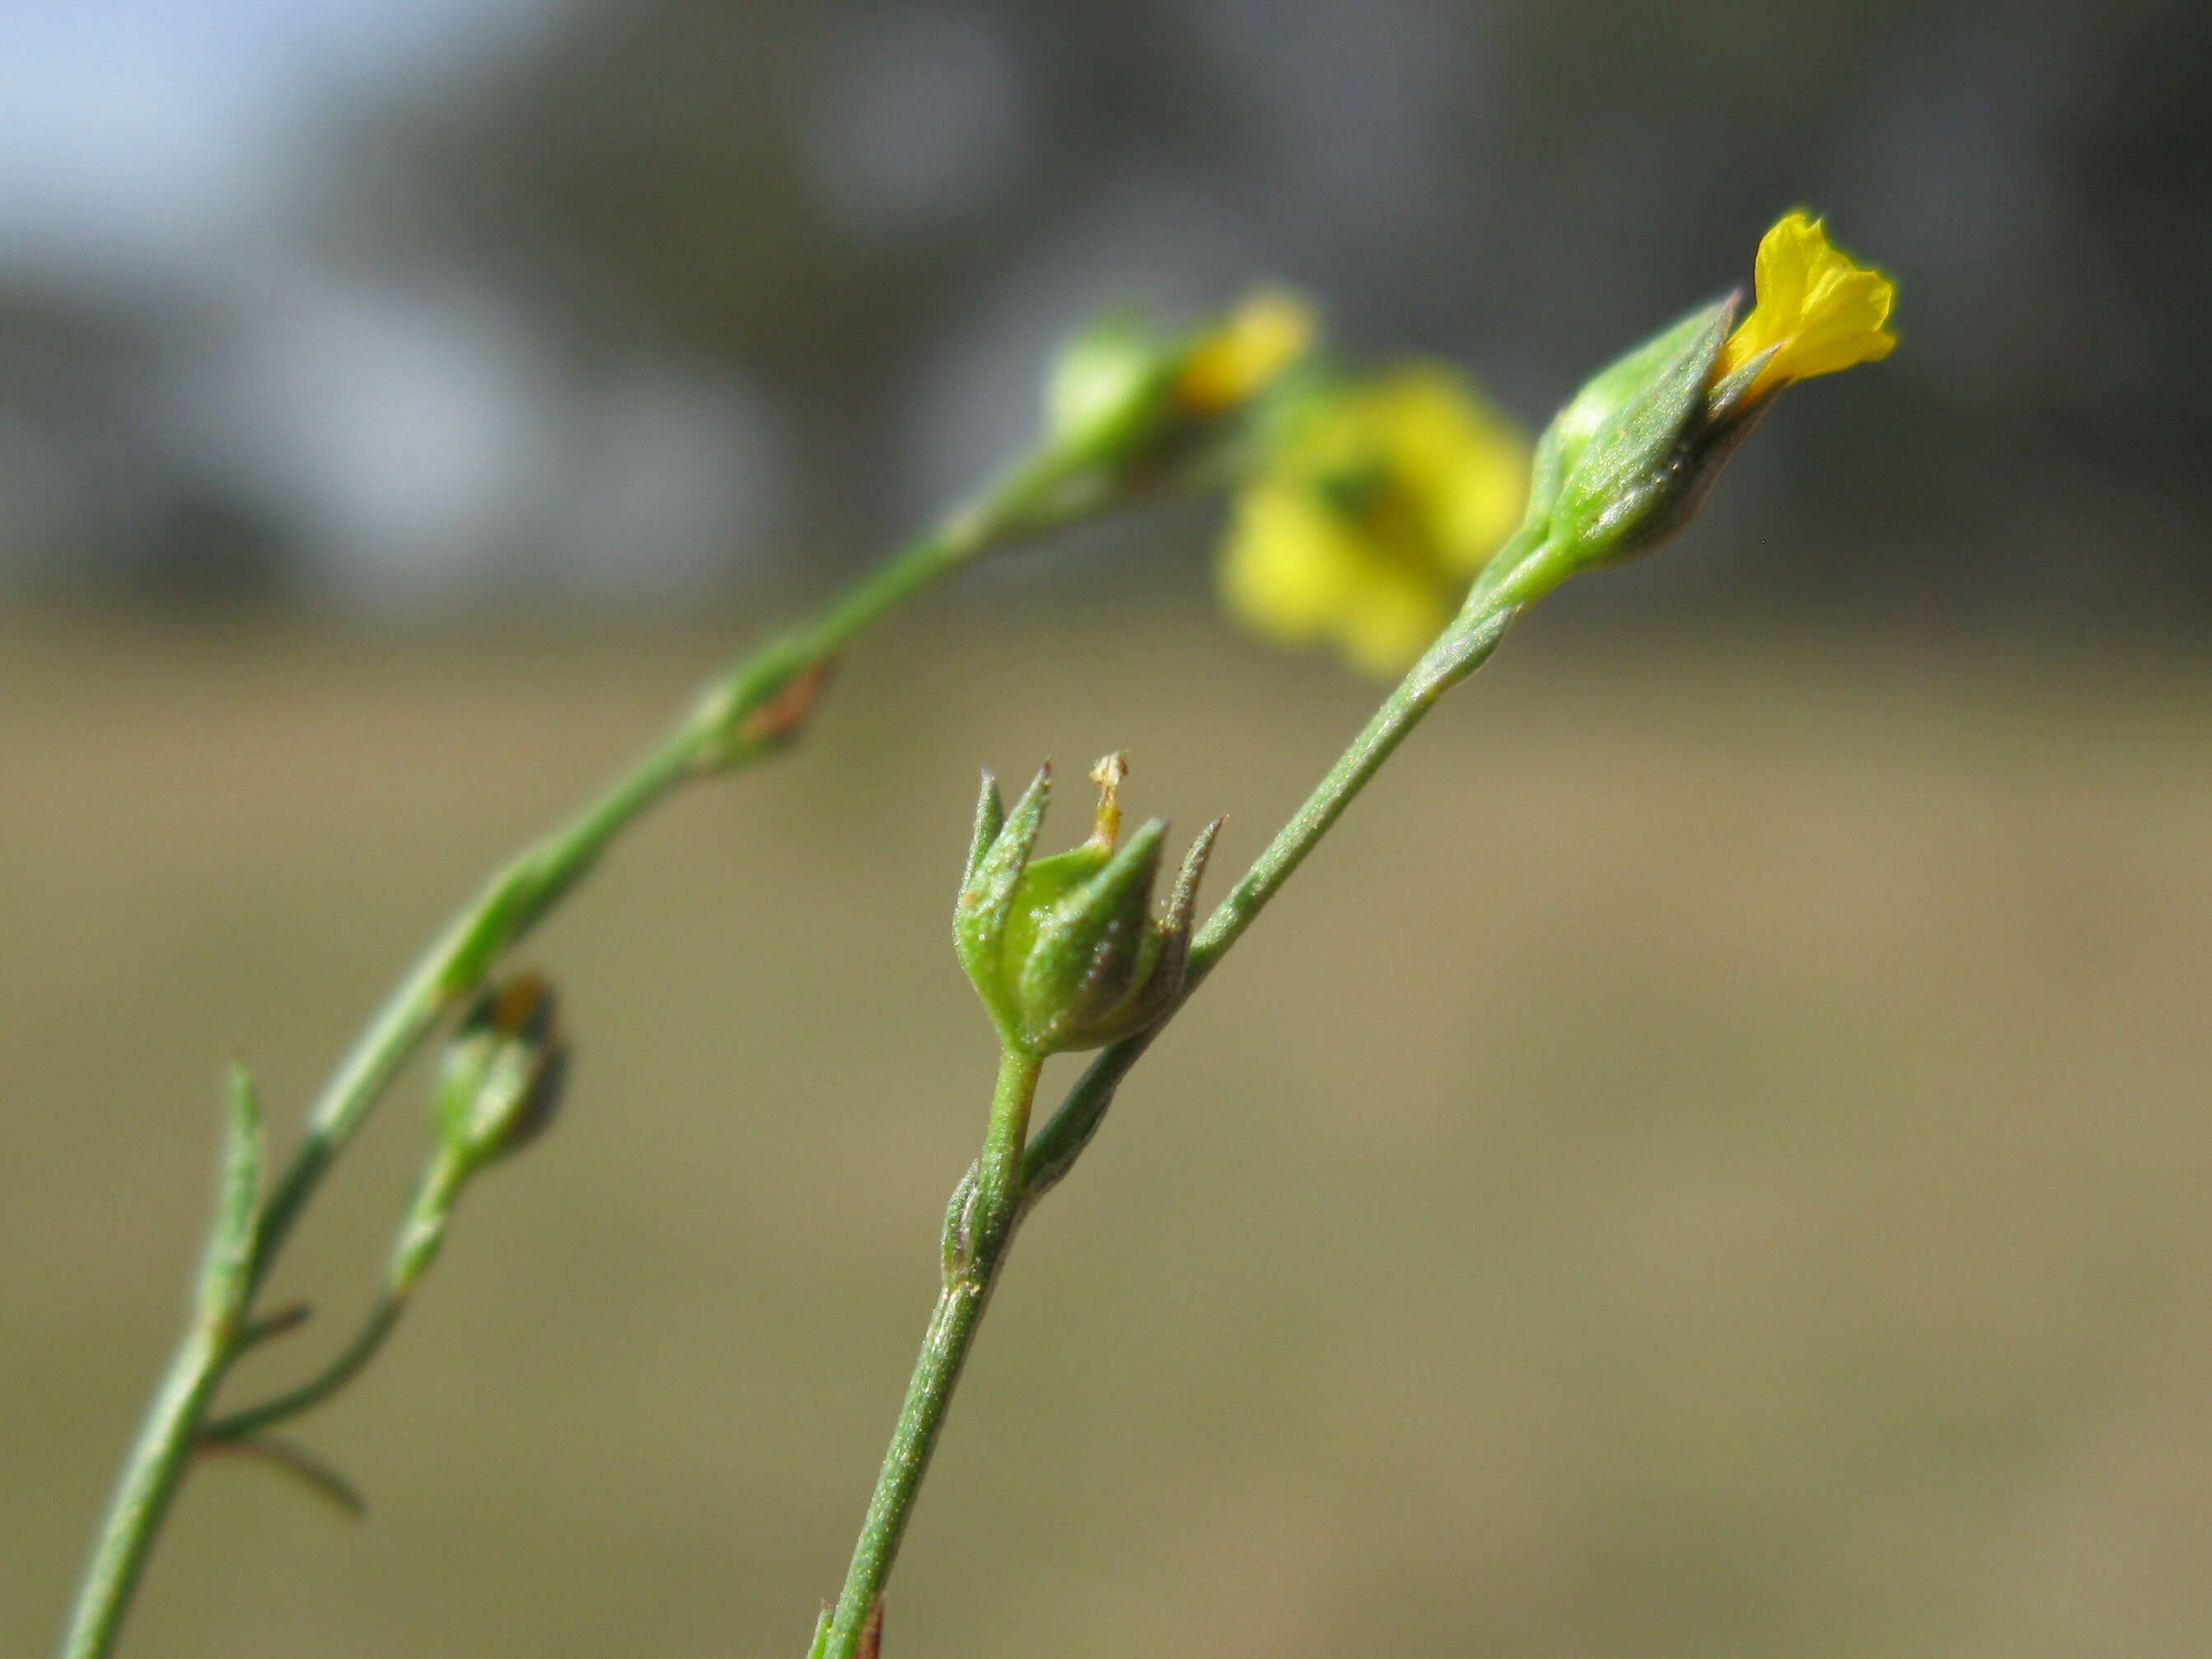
(1286, 571)
(1393, 622)
(1265, 336)
(1371, 513)
(1462, 465)
(1819, 309)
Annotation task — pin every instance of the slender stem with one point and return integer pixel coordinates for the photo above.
(1011, 1175)
(515, 900)
(421, 1232)
(349, 1364)
(736, 721)
(156, 1466)
(530, 884)
(1454, 657)
(168, 1435)
(1465, 648)
(980, 1228)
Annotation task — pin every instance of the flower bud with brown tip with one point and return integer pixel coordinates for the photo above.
(501, 1077)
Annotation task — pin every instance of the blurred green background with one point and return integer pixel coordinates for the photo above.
(1708, 1159)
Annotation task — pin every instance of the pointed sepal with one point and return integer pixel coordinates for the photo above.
(1064, 951)
(1093, 945)
(1630, 457)
(981, 913)
(990, 818)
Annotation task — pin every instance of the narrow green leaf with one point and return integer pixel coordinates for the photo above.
(491, 924)
(280, 1321)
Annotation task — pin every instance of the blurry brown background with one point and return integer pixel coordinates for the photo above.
(1708, 1159)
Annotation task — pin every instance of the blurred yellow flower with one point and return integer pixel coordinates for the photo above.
(1260, 338)
(1371, 514)
(1824, 311)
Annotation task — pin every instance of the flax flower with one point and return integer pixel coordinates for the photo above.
(1376, 506)
(1817, 310)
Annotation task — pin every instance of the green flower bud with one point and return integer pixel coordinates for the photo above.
(1628, 460)
(1131, 399)
(501, 1077)
(1065, 951)
(1111, 385)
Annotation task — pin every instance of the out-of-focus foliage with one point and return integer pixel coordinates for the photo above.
(85, 476)
(809, 255)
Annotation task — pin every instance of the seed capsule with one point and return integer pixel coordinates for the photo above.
(1066, 951)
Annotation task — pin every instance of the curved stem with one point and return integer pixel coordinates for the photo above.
(349, 1364)
(529, 886)
(980, 1228)
(421, 1233)
(152, 1473)
(742, 717)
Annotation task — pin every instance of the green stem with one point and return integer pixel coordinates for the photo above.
(169, 1433)
(1011, 1175)
(151, 1474)
(713, 735)
(357, 1354)
(1462, 649)
(421, 1234)
(980, 1228)
(530, 884)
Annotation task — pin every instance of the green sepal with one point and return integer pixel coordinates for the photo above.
(1111, 386)
(1091, 947)
(1163, 964)
(1623, 463)
(1631, 461)
(1064, 951)
(1183, 906)
(981, 914)
(1043, 885)
(990, 818)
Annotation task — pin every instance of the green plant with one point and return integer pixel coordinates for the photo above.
(1067, 952)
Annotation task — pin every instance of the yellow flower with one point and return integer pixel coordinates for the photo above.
(1371, 514)
(1262, 337)
(1824, 311)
